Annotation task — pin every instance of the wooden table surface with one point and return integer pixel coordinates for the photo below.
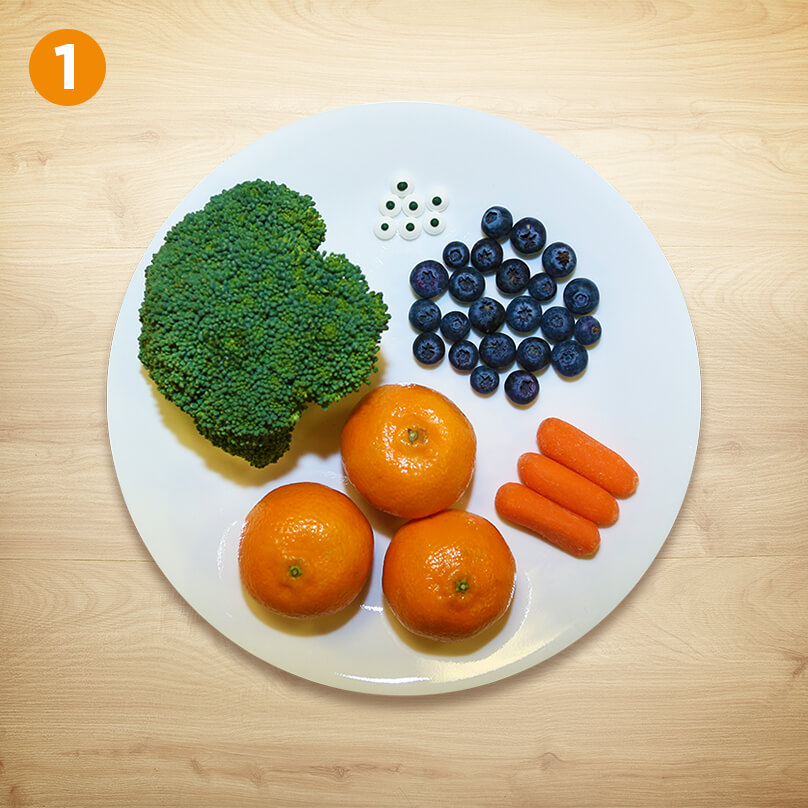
(694, 692)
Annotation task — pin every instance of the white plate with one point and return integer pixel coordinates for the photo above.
(639, 395)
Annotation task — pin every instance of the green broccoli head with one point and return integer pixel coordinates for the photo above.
(244, 322)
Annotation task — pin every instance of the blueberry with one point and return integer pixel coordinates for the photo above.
(466, 284)
(587, 330)
(559, 259)
(569, 357)
(521, 387)
(429, 279)
(486, 315)
(484, 380)
(542, 287)
(497, 222)
(533, 354)
(513, 276)
(523, 314)
(428, 349)
(455, 326)
(486, 255)
(424, 315)
(528, 236)
(463, 355)
(557, 324)
(497, 350)
(455, 254)
(581, 296)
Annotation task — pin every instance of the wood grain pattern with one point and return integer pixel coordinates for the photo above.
(693, 692)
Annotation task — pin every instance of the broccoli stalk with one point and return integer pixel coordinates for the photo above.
(244, 322)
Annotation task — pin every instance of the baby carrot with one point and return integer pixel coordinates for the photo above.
(557, 524)
(568, 488)
(582, 453)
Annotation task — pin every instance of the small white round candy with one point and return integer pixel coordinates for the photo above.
(390, 205)
(437, 200)
(412, 205)
(384, 228)
(434, 223)
(401, 185)
(409, 228)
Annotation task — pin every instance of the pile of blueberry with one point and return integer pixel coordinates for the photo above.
(571, 327)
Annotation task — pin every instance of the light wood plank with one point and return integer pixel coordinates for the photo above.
(713, 707)
(692, 693)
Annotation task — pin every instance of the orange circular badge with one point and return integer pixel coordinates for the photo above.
(67, 67)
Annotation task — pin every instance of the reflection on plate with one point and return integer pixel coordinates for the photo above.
(640, 395)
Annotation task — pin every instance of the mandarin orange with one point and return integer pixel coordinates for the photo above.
(306, 550)
(409, 450)
(448, 576)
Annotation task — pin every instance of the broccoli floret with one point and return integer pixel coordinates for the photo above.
(244, 321)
